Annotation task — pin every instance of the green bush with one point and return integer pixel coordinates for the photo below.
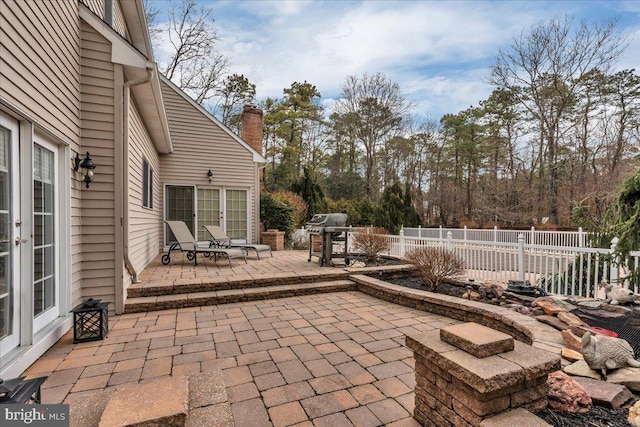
(278, 212)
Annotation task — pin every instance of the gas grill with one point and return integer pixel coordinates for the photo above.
(330, 228)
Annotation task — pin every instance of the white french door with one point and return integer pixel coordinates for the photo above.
(10, 237)
(228, 208)
(45, 235)
(29, 235)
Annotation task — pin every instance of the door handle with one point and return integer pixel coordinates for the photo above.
(18, 241)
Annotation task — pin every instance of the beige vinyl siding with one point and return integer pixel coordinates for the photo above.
(119, 24)
(145, 225)
(95, 6)
(39, 68)
(98, 210)
(199, 145)
(40, 75)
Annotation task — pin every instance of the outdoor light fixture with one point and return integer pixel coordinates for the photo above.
(210, 176)
(86, 164)
(90, 320)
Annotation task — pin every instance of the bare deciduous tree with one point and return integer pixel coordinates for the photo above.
(373, 108)
(192, 64)
(544, 67)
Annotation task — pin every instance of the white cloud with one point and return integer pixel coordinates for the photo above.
(439, 52)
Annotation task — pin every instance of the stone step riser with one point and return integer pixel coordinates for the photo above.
(154, 291)
(257, 294)
(179, 289)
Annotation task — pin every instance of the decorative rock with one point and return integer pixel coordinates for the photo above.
(553, 321)
(571, 340)
(548, 305)
(571, 355)
(566, 395)
(628, 377)
(570, 318)
(497, 290)
(602, 352)
(605, 394)
(518, 308)
(471, 295)
(590, 304)
(634, 414)
(580, 368)
(579, 330)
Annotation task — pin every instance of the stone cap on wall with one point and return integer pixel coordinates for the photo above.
(476, 339)
(487, 374)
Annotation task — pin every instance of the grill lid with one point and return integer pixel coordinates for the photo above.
(328, 220)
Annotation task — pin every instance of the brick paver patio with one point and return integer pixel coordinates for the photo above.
(324, 360)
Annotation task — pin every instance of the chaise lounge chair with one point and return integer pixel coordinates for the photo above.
(220, 239)
(185, 242)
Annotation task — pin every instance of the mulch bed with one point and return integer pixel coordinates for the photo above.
(598, 416)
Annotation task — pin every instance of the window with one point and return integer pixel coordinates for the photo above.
(147, 185)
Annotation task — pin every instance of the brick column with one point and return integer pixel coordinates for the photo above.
(468, 373)
(273, 238)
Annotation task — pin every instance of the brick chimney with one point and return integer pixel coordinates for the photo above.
(252, 133)
(251, 126)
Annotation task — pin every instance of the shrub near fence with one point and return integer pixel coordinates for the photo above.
(568, 270)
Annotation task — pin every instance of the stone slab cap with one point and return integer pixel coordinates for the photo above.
(535, 362)
(516, 417)
(485, 375)
(477, 339)
(161, 402)
(604, 393)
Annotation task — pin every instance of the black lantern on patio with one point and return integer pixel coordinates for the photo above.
(90, 321)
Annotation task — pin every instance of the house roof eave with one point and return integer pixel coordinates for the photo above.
(257, 157)
(135, 64)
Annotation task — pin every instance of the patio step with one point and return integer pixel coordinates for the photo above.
(226, 296)
(192, 285)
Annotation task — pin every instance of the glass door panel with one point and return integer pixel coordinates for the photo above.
(208, 210)
(236, 214)
(179, 207)
(44, 237)
(9, 232)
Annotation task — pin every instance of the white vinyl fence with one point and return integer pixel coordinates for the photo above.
(567, 270)
(532, 236)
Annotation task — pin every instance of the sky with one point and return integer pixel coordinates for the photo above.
(439, 52)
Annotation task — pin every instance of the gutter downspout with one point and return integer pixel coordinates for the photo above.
(125, 169)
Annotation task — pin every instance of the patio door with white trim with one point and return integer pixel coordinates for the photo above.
(209, 212)
(45, 234)
(179, 206)
(10, 238)
(228, 208)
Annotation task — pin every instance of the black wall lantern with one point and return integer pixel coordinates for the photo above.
(210, 176)
(90, 321)
(87, 165)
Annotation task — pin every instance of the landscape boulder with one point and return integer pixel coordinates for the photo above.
(566, 395)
